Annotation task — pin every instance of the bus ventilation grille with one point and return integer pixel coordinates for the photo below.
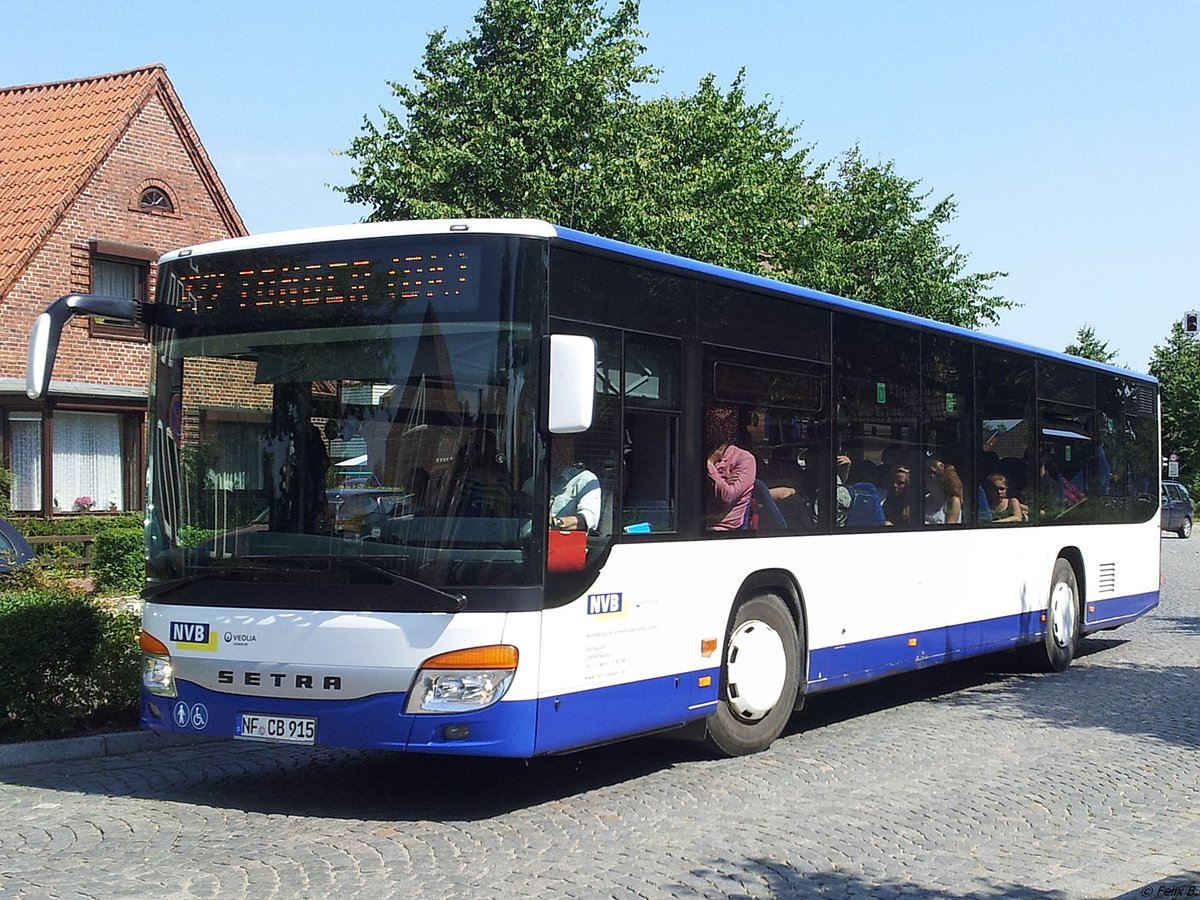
(1145, 402)
(1108, 578)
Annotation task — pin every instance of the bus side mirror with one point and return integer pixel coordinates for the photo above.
(47, 329)
(572, 383)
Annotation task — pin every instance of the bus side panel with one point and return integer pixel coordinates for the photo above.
(628, 657)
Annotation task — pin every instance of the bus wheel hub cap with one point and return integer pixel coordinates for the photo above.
(756, 669)
(1062, 613)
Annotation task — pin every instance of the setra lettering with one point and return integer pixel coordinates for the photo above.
(300, 682)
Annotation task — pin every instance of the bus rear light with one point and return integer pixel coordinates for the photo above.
(463, 680)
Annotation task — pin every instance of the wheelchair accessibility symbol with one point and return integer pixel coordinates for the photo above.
(199, 716)
(183, 714)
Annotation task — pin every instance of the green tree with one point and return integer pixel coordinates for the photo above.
(1176, 365)
(1088, 346)
(514, 119)
(712, 176)
(872, 238)
(536, 113)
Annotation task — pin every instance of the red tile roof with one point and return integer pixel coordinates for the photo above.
(54, 136)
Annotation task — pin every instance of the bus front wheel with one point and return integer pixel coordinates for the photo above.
(759, 678)
(1062, 621)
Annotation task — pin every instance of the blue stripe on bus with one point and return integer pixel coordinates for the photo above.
(379, 721)
(835, 667)
(1118, 610)
(591, 717)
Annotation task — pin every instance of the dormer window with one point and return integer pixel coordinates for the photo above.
(155, 200)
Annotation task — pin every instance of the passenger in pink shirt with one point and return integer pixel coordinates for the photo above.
(731, 472)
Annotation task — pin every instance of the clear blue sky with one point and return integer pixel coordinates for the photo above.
(1068, 132)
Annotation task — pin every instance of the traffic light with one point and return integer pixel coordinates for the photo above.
(1191, 321)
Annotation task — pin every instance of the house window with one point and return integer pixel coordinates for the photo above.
(155, 200)
(25, 440)
(95, 465)
(119, 271)
(87, 474)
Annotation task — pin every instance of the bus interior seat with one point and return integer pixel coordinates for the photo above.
(770, 518)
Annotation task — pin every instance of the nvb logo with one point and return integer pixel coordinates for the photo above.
(193, 636)
(603, 604)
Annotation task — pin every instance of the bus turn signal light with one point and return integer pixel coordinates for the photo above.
(495, 656)
(150, 644)
(708, 646)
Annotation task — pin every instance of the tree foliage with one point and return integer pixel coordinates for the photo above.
(536, 112)
(1088, 346)
(1176, 365)
(514, 119)
(872, 238)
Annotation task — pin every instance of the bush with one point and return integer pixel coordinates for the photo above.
(119, 559)
(67, 663)
(75, 524)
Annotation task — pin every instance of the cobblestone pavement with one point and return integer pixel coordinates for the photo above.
(968, 781)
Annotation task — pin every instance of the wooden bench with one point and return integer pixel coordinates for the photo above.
(74, 562)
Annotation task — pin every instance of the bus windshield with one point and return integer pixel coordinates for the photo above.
(374, 430)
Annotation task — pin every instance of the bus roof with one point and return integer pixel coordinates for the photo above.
(540, 229)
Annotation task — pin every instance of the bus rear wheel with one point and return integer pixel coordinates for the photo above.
(1062, 621)
(759, 678)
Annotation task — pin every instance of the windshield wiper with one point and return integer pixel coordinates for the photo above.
(222, 573)
(457, 602)
(446, 601)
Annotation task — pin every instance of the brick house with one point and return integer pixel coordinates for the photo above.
(98, 177)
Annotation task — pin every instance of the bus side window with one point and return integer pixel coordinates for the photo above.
(649, 488)
(775, 414)
(1004, 413)
(876, 394)
(650, 388)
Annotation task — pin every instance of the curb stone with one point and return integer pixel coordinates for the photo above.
(91, 747)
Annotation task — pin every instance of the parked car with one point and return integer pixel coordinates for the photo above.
(14, 549)
(1176, 509)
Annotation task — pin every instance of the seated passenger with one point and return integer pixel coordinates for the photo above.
(858, 502)
(897, 505)
(575, 494)
(1005, 509)
(943, 494)
(731, 472)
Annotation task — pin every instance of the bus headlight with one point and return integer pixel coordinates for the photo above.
(158, 675)
(464, 680)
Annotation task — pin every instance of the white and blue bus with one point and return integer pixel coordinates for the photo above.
(360, 439)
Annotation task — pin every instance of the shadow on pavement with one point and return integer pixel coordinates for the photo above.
(748, 877)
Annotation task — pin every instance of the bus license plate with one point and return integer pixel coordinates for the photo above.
(287, 729)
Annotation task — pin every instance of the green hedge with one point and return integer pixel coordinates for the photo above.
(68, 663)
(49, 554)
(119, 559)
